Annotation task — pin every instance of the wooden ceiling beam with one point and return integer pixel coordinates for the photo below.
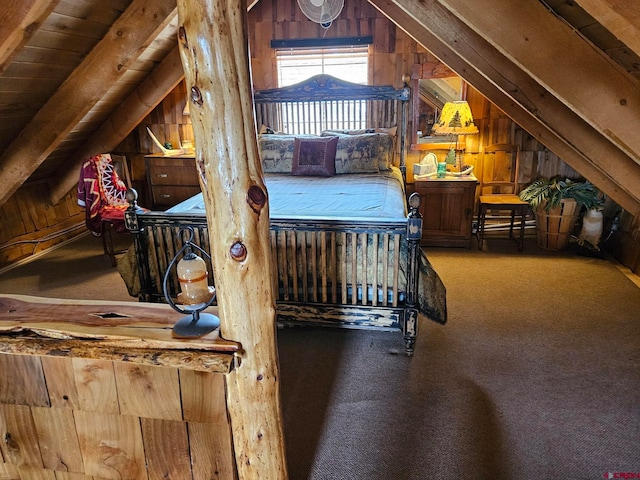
(107, 62)
(164, 78)
(514, 92)
(620, 17)
(555, 56)
(18, 22)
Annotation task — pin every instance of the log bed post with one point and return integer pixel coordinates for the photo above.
(214, 49)
(414, 234)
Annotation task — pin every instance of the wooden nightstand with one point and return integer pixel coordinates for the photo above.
(171, 179)
(447, 210)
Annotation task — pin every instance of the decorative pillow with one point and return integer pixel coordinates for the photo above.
(276, 152)
(315, 156)
(365, 153)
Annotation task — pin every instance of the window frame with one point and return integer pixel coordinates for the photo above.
(323, 55)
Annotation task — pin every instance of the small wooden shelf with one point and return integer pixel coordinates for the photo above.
(116, 331)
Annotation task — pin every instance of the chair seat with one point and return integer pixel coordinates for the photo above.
(114, 215)
(510, 202)
(505, 200)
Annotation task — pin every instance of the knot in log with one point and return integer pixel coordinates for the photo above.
(256, 198)
(238, 252)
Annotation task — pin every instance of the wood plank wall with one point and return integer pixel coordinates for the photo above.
(29, 224)
(392, 55)
(97, 419)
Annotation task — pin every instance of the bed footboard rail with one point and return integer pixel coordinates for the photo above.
(157, 238)
(339, 262)
(317, 262)
(356, 273)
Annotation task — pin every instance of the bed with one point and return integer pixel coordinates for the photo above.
(344, 239)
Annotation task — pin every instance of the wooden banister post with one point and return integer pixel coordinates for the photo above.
(214, 50)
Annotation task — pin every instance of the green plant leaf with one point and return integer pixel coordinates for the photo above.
(548, 193)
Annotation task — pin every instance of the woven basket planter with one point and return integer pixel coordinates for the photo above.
(554, 226)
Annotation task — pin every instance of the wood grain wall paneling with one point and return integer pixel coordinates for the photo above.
(39, 225)
(166, 447)
(23, 382)
(61, 383)
(211, 451)
(152, 392)
(9, 472)
(19, 438)
(111, 445)
(72, 476)
(197, 404)
(96, 385)
(66, 442)
(57, 438)
(34, 473)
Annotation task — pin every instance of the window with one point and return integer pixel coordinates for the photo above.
(347, 63)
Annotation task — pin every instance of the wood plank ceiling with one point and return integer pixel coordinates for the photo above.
(76, 76)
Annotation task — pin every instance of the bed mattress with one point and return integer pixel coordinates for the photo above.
(366, 195)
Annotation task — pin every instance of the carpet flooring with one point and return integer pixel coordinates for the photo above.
(536, 375)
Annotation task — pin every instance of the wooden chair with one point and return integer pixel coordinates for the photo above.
(110, 225)
(102, 192)
(500, 188)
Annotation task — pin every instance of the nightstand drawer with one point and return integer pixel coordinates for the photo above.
(171, 195)
(172, 174)
(171, 179)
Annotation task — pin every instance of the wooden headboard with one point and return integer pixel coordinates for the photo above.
(324, 102)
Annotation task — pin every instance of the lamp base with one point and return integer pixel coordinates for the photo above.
(195, 325)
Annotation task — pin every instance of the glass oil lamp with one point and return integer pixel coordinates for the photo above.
(195, 292)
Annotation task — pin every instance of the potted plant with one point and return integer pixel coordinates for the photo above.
(557, 203)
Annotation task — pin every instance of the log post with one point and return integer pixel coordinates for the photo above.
(214, 50)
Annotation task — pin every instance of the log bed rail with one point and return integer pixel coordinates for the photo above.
(319, 268)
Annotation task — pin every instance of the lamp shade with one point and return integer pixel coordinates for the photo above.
(455, 119)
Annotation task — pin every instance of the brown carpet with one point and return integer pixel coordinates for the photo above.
(535, 376)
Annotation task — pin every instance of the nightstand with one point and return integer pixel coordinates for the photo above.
(171, 179)
(447, 210)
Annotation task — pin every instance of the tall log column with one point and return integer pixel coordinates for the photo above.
(214, 51)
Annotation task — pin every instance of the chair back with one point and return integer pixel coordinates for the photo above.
(500, 169)
(112, 188)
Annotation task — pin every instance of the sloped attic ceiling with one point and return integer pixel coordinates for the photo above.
(76, 76)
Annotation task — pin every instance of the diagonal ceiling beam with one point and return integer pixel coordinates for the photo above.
(513, 91)
(620, 17)
(18, 22)
(105, 64)
(123, 120)
(554, 55)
